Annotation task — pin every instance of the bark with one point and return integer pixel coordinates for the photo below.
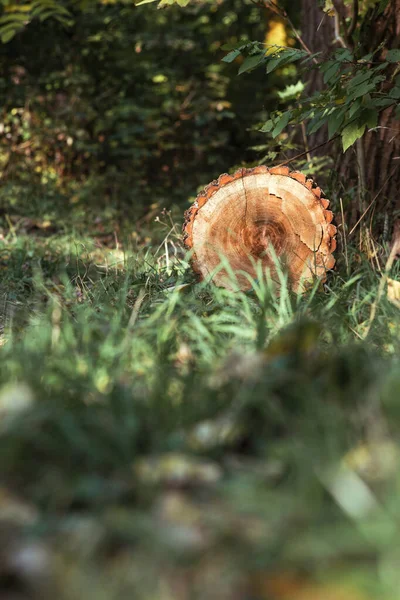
(377, 159)
(318, 33)
(382, 146)
(240, 216)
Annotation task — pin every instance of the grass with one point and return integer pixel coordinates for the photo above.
(161, 438)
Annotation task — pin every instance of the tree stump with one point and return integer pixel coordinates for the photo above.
(240, 217)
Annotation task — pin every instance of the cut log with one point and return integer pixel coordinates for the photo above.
(240, 217)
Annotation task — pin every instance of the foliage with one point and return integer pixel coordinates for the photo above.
(18, 16)
(139, 442)
(359, 86)
(129, 105)
(357, 89)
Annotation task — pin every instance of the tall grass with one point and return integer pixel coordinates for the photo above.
(202, 438)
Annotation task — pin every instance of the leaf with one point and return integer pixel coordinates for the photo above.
(395, 93)
(231, 56)
(234, 45)
(282, 122)
(283, 58)
(291, 91)
(359, 78)
(393, 56)
(381, 102)
(251, 62)
(354, 108)
(351, 133)
(328, 8)
(268, 125)
(273, 63)
(335, 121)
(7, 34)
(343, 55)
(366, 58)
(144, 2)
(331, 71)
(370, 116)
(319, 117)
(14, 18)
(47, 14)
(66, 22)
(361, 90)
(381, 67)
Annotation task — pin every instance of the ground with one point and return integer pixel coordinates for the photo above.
(162, 438)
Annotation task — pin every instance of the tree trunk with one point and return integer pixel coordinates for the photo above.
(318, 33)
(376, 159)
(382, 145)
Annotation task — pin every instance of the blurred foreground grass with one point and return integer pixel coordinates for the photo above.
(163, 439)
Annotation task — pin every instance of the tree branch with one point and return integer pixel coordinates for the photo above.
(340, 11)
(282, 164)
(354, 19)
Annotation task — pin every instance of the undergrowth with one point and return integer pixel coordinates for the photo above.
(167, 439)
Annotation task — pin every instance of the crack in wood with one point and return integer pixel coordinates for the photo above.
(306, 229)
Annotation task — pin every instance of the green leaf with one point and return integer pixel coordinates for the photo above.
(381, 67)
(361, 90)
(381, 102)
(235, 45)
(144, 2)
(251, 62)
(360, 87)
(366, 58)
(393, 56)
(395, 93)
(343, 55)
(7, 34)
(282, 122)
(370, 116)
(284, 58)
(359, 79)
(231, 56)
(316, 123)
(355, 107)
(268, 125)
(15, 17)
(47, 14)
(351, 133)
(331, 70)
(335, 121)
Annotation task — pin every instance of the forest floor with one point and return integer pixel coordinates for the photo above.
(164, 439)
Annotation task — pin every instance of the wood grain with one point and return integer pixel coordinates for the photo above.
(245, 218)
